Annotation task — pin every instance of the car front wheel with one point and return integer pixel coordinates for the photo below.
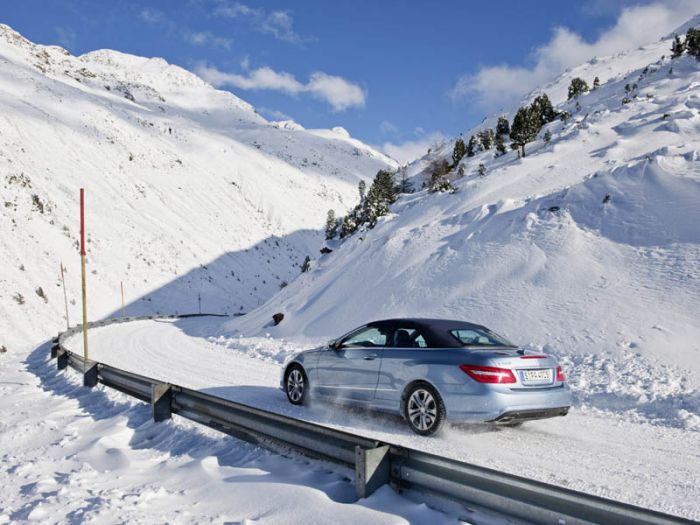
(296, 385)
(424, 409)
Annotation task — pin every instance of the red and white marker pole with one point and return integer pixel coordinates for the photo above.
(82, 266)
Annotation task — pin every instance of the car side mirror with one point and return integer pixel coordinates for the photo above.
(332, 344)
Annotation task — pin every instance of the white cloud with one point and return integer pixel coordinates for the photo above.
(413, 149)
(206, 38)
(152, 16)
(279, 24)
(274, 114)
(65, 36)
(340, 93)
(494, 86)
(387, 128)
(196, 38)
(234, 10)
(261, 78)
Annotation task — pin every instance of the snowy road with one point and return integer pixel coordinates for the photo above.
(647, 465)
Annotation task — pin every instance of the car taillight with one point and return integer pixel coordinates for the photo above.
(488, 374)
(533, 357)
(560, 374)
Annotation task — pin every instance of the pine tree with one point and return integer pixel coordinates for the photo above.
(459, 151)
(526, 124)
(543, 108)
(438, 177)
(692, 42)
(472, 146)
(486, 138)
(596, 83)
(362, 188)
(384, 186)
(677, 47)
(502, 128)
(404, 186)
(547, 137)
(500, 146)
(375, 203)
(577, 87)
(381, 194)
(482, 170)
(350, 224)
(331, 225)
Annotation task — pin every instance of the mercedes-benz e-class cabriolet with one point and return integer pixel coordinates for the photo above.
(429, 371)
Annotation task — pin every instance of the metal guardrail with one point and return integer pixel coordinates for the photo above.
(375, 463)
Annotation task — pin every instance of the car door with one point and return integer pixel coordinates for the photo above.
(403, 355)
(350, 368)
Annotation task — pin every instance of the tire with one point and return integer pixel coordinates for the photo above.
(424, 409)
(296, 385)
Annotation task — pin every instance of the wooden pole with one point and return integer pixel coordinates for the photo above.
(82, 266)
(121, 287)
(65, 295)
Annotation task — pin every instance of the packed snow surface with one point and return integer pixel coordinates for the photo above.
(602, 447)
(75, 455)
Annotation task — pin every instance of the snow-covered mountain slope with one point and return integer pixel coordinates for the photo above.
(589, 246)
(189, 191)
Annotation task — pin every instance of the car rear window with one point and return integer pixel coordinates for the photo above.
(478, 337)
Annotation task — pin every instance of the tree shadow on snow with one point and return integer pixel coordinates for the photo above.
(230, 284)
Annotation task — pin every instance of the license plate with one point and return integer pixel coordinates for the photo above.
(539, 376)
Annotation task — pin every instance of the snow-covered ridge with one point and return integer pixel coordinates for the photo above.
(190, 193)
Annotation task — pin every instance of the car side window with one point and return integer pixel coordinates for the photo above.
(367, 337)
(408, 338)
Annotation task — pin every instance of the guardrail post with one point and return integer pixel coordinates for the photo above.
(372, 469)
(90, 374)
(161, 399)
(54, 348)
(61, 358)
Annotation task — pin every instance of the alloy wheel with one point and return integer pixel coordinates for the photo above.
(295, 386)
(422, 409)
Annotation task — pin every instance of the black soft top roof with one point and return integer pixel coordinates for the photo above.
(435, 324)
(435, 331)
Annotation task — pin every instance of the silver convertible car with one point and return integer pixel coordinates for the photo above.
(429, 370)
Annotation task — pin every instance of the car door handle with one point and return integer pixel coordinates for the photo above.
(370, 357)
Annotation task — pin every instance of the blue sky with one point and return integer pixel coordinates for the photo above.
(396, 74)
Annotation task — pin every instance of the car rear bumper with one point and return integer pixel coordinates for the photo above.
(502, 405)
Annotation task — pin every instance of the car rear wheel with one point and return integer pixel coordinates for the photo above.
(296, 385)
(424, 409)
